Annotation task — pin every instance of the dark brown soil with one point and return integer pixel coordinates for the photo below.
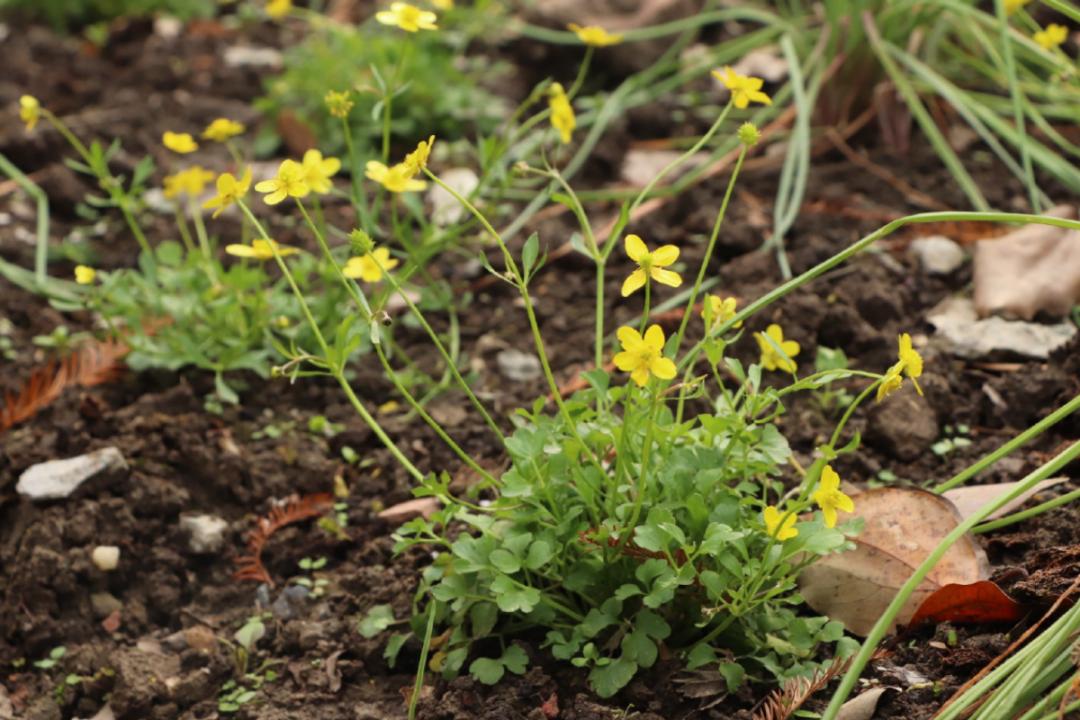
(156, 662)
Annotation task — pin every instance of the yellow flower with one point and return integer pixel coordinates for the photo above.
(407, 17)
(562, 113)
(830, 498)
(290, 181)
(339, 104)
(909, 363)
(188, 182)
(398, 178)
(417, 160)
(890, 383)
(1051, 37)
(278, 9)
(443, 4)
(744, 89)
(1012, 6)
(222, 129)
(29, 111)
(643, 356)
(771, 359)
(650, 265)
(260, 250)
(229, 190)
(370, 267)
(181, 143)
(84, 275)
(781, 527)
(717, 311)
(594, 35)
(319, 170)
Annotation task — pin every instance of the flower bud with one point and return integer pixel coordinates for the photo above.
(360, 242)
(338, 104)
(749, 135)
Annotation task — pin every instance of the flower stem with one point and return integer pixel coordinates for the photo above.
(709, 250)
(336, 371)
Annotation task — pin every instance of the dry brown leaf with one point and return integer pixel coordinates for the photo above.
(863, 706)
(902, 526)
(405, 511)
(970, 498)
(1030, 270)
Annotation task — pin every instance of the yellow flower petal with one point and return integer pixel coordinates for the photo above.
(666, 277)
(665, 255)
(636, 249)
(633, 282)
(654, 338)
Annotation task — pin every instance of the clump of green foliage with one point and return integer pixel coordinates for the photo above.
(66, 15)
(443, 93)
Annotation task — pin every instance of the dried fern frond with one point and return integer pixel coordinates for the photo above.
(293, 510)
(95, 362)
(784, 701)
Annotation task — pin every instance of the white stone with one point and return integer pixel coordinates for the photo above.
(206, 533)
(518, 366)
(59, 478)
(969, 337)
(247, 56)
(446, 210)
(105, 557)
(938, 255)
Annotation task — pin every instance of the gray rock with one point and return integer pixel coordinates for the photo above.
(938, 255)
(247, 56)
(968, 337)
(206, 533)
(518, 366)
(903, 425)
(104, 604)
(291, 602)
(59, 478)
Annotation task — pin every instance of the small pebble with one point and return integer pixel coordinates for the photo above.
(105, 557)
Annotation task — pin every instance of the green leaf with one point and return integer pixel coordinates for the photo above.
(515, 660)
(483, 616)
(650, 538)
(733, 674)
(700, 655)
(652, 624)
(628, 590)
(376, 620)
(529, 253)
(611, 678)
(513, 598)
(487, 670)
(540, 553)
(638, 647)
(393, 647)
(504, 561)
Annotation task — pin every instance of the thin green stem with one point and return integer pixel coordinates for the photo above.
(1027, 514)
(421, 666)
(337, 372)
(709, 250)
(530, 312)
(419, 409)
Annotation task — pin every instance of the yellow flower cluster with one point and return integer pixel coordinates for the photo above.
(402, 177)
(744, 89)
(1051, 37)
(651, 265)
(85, 275)
(909, 364)
(407, 17)
(190, 182)
(370, 267)
(828, 496)
(562, 113)
(643, 356)
(181, 143)
(776, 352)
(229, 190)
(594, 36)
(222, 129)
(260, 250)
(29, 111)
